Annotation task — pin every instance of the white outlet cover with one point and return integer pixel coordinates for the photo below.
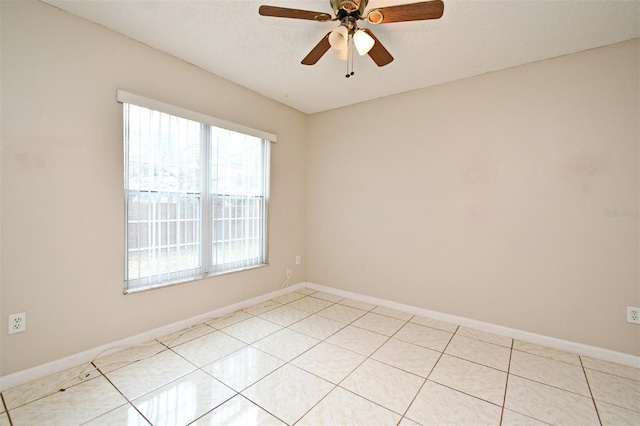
(17, 323)
(633, 315)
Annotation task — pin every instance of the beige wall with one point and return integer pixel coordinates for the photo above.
(486, 198)
(62, 199)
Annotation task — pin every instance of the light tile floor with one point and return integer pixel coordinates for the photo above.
(311, 358)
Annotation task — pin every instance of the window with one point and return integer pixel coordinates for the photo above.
(196, 195)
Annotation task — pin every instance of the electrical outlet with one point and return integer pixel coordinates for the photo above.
(17, 323)
(288, 273)
(633, 315)
(298, 260)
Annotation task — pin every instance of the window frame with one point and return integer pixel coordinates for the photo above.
(206, 226)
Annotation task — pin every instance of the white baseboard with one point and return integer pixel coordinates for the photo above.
(71, 361)
(53, 367)
(551, 342)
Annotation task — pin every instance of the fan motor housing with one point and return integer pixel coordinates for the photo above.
(343, 8)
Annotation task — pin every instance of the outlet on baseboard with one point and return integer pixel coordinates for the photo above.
(17, 323)
(633, 315)
(288, 273)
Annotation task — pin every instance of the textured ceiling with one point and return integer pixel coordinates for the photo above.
(230, 39)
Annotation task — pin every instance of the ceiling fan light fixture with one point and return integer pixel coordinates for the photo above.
(363, 42)
(338, 38)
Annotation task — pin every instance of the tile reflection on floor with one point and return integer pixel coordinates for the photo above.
(314, 358)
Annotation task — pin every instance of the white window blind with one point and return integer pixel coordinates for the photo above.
(196, 198)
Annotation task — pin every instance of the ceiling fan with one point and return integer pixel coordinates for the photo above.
(348, 12)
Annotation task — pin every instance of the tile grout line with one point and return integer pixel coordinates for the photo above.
(476, 362)
(256, 382)
(282, 305)
(285, 362)
(292, 365)
(6, 409)
(426, 379)
(547, 357)
(553, 386)
(407, 321)
(125, 398)
(366, 358)
(337, 385)
(610, 373)
(471, 362)
(319, 341)
(506, 383)
(167, 347)
(593, 400)
(180, 377)
(51, 393)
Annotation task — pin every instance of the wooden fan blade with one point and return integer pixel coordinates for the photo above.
(378, 53)
(285, 12)
(407, 12)
(317, 52)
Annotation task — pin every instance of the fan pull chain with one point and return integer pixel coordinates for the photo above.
(350, 57)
